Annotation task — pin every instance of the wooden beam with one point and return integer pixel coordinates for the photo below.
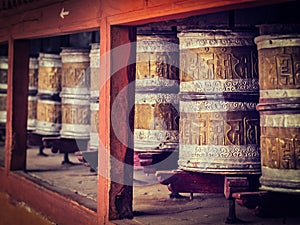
(17, 92)
(115, 155)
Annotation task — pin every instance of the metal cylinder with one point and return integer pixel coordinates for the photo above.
(95, 70)
(75, 93)
(75, 79)
(33, 76)
(157, 84)
(279, 106)
(48, 119)
(94, 139)
(75, 118)
(32, 112)
(219, 124)
(3, 73)
(49, 74)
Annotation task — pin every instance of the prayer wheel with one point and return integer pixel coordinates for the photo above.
(33, 76)
(279, 107)
(219, 124)
(156, 100)
(3, 87)
(32, 112)
(94, 139)
(95, 70)
(3, 73)
(75, 93)
(49, 74)
(48, 118)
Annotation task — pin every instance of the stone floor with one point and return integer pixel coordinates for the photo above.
(152, 204)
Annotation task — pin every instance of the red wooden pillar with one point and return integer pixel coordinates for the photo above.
(17, 91)
(115, 153)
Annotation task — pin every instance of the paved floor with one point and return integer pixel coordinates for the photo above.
(151, 202)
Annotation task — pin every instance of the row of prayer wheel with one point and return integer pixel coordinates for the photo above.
(238, 102)
(62, 105)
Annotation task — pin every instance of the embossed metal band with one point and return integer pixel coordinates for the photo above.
(75, 101)
(280, 93)
(220, 86)
(152, 138)
(75, 130)
(155, 43)
(280, 120)
(94, 106)
(154, 83)
(49, 60)
(215, 106)
(72, 55)
(215, 38)
(210, 157)
(3, 116)
(31, 124)
(33, 63)
(150, 98)
(276, 41)
(77, 93)
(95, 55)
(3, 62)
(43, 127)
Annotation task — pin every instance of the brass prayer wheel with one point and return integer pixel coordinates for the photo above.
(219, 124)
(49, 74)
(32, 112)
(279, 106)
(157, 84)
(95, 70)
(3, 73)
(48, 118)
(94, 139)
(33, 76)
(75, 118)
(75, 79)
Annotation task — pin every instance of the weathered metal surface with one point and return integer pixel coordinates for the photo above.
(95, 70)
(32, 112)
(279, 106)
(49, 74)
(48, 117)
(75, 79)
(3, 72)
(156, 100)
(75, 93)
(33, 76)
(94, 123)
(219, 124)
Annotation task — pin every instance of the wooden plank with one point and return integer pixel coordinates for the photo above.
(17, 92)
(63, 207)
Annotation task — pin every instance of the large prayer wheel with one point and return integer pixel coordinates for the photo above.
(32, 112)
(48, 119)
(219, 124)
(156, 100)
(33, 76)
(3, 73)
(3, 107)
(49, 74)
(75, 93)
(279, 106)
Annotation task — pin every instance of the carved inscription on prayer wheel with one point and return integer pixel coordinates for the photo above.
(49, 74)
(279, 106)
(219, 124)
(156, 100)
(94, 139)
(48, 117)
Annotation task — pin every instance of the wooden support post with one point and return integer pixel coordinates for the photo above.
(17, 92)
(115, 153)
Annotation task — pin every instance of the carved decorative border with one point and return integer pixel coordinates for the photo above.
(151, 98)
(280, 120)
(277, 41)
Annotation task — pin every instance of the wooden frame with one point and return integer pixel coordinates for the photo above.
(41, 20)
